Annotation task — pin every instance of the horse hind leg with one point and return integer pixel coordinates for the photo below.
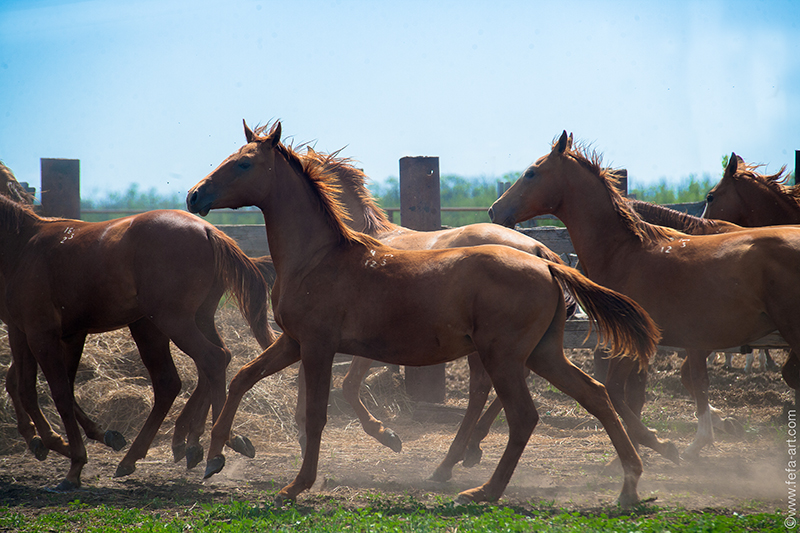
(694, 375)
(550, 363)
(372, 426)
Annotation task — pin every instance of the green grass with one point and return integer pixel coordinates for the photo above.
(383, 514)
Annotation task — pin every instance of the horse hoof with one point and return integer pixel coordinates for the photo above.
(472, 457)
(66, 486)
(282, 499)
(441, 475)
(37, 447)
(194, 455)
(179, 452)
(114, 440)
(391, 440)
(124, 470)
(626, 501)
(214, 466)
(242, 445)
(672, 453)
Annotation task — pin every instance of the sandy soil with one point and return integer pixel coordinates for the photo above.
(568, 462)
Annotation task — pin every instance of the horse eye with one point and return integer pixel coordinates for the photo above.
(709, 198)
(529, 175)
(244, 165)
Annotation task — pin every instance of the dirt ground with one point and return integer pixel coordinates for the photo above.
(568, 461)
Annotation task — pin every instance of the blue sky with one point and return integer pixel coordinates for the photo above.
(154, 91)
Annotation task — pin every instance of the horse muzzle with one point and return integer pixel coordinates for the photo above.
(197, 202)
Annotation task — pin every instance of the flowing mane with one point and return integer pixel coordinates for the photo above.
(353, 178)
(324, 182)
(10, 187)
(773, 182)
(593, 162)
(670, 218)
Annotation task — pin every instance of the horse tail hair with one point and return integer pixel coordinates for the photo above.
(244, 278)
(624, 326)
(569, 299)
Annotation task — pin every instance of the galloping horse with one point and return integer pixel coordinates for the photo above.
(161, 274)
(366, 217)
(705, 291)
(339, 290)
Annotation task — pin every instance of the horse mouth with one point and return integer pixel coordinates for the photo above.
(194, 204)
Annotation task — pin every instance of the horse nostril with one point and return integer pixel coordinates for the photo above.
(193, 199)
(491, 214)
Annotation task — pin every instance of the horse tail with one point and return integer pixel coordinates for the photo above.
(243, 278)
(569, 299)
(624, 326)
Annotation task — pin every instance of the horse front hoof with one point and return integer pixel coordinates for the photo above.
(472, 457)
(114, 440)
(390, 439)
(37, 447)
(282, 499)
(242, 445)
(194, 456)
(178, 452)
(214, 466)
(124, 470)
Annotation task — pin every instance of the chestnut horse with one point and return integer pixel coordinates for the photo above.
(160, 273)
(342, 291)
(705, 291)
(366, 216)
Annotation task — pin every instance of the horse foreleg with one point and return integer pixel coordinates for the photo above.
(318, 365)
(619, 372)
(694, 375)
(284, 352)
(479, 387)
(592, 395)
(372, 426)
(191, 423)
(154, 350)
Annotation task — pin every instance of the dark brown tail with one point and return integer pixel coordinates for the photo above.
(624, 326)
(244, 280)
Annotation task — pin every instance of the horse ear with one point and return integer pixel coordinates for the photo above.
(275, 136)
(562, 143)
(311, 151)
(248, 133)
(733, 164)
(569, 142)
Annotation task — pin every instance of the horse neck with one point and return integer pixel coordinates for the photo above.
(298, 231)
(763, 206)
(599, 234)
(355, 207)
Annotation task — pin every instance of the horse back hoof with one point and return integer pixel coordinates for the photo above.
(626, 501)
(242, 445)
(194, 456)
(441, 475)
(673, 454)
(114, 440)
(472, 457)
(178, 452)
(124, 470)
(390, 439)
(37, 447)
(214, 466)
